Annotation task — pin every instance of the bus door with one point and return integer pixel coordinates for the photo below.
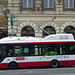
(49, 52)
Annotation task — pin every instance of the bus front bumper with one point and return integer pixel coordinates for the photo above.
(3, 65)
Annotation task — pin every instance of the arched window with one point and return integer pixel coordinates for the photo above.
(70, 29)
(50, 30)
(28, 31)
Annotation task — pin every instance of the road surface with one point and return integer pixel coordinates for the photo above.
(70, 70)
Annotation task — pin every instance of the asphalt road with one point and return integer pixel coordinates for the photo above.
(40, 71)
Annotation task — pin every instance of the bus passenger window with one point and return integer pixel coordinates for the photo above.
(36, 51)
(61, 49)
(10, 53)
(26, 50)
(52, 49)
(17, 50)
(64, 49)
(49, 49)
(33, 50)
(72, 48)
(21, 50)
(39, 51)
(44, 49)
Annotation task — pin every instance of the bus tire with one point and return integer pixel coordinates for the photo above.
(54, 63)
(13, 65)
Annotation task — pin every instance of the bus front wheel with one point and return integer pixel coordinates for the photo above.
(13, 65)
(54, 63)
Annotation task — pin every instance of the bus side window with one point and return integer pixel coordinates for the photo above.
(72, 48)
(17, 50)
(10, 50)
(44, 49)
(40, 50)
(26, 50)
(64, 49)
(34, 50)
(52, 49)
(49, 49)
(21, 50)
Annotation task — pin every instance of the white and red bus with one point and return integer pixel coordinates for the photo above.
(54, 50)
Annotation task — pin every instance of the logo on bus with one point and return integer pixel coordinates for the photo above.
(20, 58)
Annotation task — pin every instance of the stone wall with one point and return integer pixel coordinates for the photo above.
(3, 4)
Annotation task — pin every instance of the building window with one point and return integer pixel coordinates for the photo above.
(27, 3)
(69, 4)
(70, 29)
(48, 3)
(50, 30)
(28, 31)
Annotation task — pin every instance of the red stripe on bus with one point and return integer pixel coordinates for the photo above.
(45, 63)
(3, 65)
(67, 62)
(33, 64)
(40, 42)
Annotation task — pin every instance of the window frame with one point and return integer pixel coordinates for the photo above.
(71, 46)
(54, 47)
(48, 8)
(27, 8)
(73, 9)
(28, 46)
(64, 46)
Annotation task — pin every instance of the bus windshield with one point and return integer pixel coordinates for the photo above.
(2, 52)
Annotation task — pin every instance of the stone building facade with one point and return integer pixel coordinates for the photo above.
(3, 4)
(29, 14)
(3, 19)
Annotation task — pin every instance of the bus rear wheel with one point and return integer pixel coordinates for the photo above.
(54, 64)
(13, 65)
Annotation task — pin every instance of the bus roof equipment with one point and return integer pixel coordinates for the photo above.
(32, 39)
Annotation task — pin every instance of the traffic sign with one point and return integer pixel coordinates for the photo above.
(11, 34)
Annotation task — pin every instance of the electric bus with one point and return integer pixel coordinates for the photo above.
(54, 51)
